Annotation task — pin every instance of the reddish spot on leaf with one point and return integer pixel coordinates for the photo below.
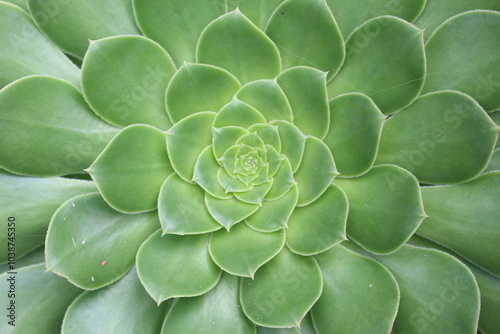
(103, 263)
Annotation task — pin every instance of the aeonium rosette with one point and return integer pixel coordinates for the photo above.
(213, 147)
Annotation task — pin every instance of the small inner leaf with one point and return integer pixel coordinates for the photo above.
(225, 137)
(243, 250)
(229, 211)
(205, 173)
(238, 113)
(292, 142)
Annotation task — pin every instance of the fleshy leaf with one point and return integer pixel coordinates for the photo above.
(238, 113)
(386, 61)
(32, 202)
(471, 211)
(24, 50)
(131, 169)
(234, 43)
(132, 90)
(448, 302)
(258, 11)
(181, 207)
(120, 308)
(472, 70)
(230, 183)
(269, 134)
(292, 142)
(243, 250)
(205, 173)
(435, 12)
(316, 172)
(176, 266)
(274, 214)
(350, 15)
(267, 97)
(395, 206)
(494, 163)
(255, 195)
(225, 137)
(443, 137)
(283, 291)
(320, 225)
(229, 211)
(186, 140)
(354, 285)
(43, 298)
(109, 18)
(311, 21)
(66, 136)
(177, 24)
(354, 134)
(274, 160)
(283, 181)
(199, 87)
(305, 89)
(217, 311)
(93, 245)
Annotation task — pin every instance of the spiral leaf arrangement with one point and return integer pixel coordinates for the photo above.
(252, 166)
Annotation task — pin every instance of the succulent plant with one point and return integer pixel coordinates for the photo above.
(237, 166)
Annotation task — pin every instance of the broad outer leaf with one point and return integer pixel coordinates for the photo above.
(47, 129)
(350, 14)
(385, 208)
(41, 299)
(438, 292)
(489, 288)
(283, 290)
(182, 210)
(124, 80)
(471, 211)
(32, 202)
(305, 89)
(242, 250)
(359, 294)
(199, 87)
(177, 24)
(316, 172)
(385, 60)
(268, 98)
(474, 69)
(320, 225)
(131, 169)
(124, 307)
(217, 311)
(444, 137)
(186, 140)
(274, 214)
(176, 266)
(354, 134)
(93, 245)
(494, 164)
(24, 50)
(228, 212)
(258, 11)
(234, 43)
(67, 22)
(295, 22)
(435, 12)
